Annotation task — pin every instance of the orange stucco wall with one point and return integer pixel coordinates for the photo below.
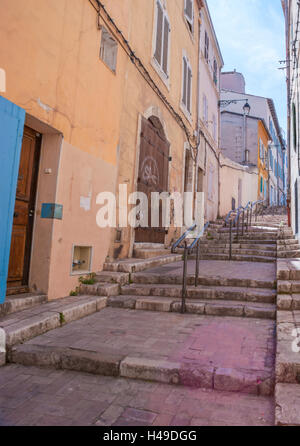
(262, 165)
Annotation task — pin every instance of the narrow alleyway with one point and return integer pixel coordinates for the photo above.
(214, 365)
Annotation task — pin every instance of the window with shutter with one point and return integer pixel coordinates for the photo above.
(189, 13)
(215, 72)
(161, 54)
(206, 47)
(187, 85)
(184, 89)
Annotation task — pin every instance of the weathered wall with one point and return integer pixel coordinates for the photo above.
(230, 174)
(50, 52)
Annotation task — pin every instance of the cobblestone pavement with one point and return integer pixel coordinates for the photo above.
(33, 396)
(246, 345)
(225, 269)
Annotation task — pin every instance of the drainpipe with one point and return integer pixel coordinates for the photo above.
(288, 80)
(198, 121)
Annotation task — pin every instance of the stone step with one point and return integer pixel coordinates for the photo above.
(288, 269)
(288, 347)
(287, 403)
(203, 292)
(256, 247)
(288, 286)
(149, 253)
(112, 277)
(33, 322)
(240, 258)
(215, 281)
(20, 302)
(209, 307)
(288, 254)
(288, 242)
(238, 251)
(165, 371)
(256, 238)
(141, 245)
(230, 354)
(100, 289)
(135, 265)
(288, 248)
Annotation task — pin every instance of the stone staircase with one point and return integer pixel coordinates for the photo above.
(224, 342)
(287, 389)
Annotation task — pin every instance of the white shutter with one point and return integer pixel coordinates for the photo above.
(189, 11)
(159, 34)
(189, 89)
(166, 46)
(184, 88)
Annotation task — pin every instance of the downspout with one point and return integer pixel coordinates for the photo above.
(198, 119)
(288, 80)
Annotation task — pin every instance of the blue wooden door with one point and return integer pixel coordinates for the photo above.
(12, 120)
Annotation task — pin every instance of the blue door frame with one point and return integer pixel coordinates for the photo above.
(12, 119)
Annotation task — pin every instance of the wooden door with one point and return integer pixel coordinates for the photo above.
(153, 174)
(20, 249)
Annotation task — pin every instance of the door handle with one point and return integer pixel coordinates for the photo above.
(16, 215)
(31, 213)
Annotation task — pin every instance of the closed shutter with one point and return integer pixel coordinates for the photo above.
(159, 31)
(189, 89)
(189, 11)
(166, 46)
(184, 82)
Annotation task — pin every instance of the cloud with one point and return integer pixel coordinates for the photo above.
(252, 40)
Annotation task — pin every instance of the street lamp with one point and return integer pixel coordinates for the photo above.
(226, 102)
(247, 108)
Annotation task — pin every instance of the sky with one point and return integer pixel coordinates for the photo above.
(251, 36)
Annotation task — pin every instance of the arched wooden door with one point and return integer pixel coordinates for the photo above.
(153, 174)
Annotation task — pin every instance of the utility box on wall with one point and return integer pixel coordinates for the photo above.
(81, 260)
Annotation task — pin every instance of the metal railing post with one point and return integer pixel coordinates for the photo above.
(251, 217)
(230, 241)
(184, 279)
(197, 264)
(243, 223)
(237, 228)
(247, 220)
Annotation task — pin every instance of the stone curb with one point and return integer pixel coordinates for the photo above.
(205, 307)
(58, 314)
(147, 369)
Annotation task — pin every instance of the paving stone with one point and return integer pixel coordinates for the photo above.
(150, 370)
(127, 302)
(284, 302)
(284, 287)
(34, 326)
(287, 400)
(154, 304)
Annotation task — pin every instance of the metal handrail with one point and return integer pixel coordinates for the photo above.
(239, 211)
(183, 237)
(201, 233)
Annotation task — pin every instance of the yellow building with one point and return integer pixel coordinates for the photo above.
(264, 138)
(95, 80)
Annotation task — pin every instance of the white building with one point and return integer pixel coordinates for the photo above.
(233, 88)
(291, 10)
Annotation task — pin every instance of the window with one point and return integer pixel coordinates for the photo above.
(215, 72)
(108, 50)
(214, 123)
(294, 128)
(205, 110)
(210, 188)
(206, 47)
(189, 13)
(296, 208)
(161, 54)
(187, 84)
